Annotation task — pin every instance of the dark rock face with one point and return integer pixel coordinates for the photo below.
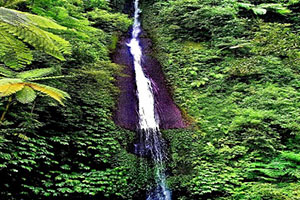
(126, 114)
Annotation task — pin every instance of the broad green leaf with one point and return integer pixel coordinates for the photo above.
(26, 95)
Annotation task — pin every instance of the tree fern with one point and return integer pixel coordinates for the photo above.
(43, 22)
(25, 90)
(4, 72)
(35, 73)
(13, 52)
(55, 93)
(8, 3)
(26, 95)
(18, 27)
(21, 84)
(9, 86)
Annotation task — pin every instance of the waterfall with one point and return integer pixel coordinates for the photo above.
(150, 142)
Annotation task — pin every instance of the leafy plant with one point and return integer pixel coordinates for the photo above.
(18, 28)
(237, 80)
(21, 84)
(211, 180)
(262, 9)
(109, 22)
(9, 3)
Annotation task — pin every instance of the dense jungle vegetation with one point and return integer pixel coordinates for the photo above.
(232, 66)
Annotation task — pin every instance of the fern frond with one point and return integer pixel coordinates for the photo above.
(8, 3)
(35, 73)
(55, 93)
(295, 157)
(25, 27)
(36, 37)
(5, 81)
(9, 86)
(26, 95)
(43, 22)
(62, 45)
(13, 52)
(13, 17)
(6, 72)
(51, 77)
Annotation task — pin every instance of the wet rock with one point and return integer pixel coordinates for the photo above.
(126, 114)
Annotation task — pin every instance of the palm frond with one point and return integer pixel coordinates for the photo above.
(9, 86)
(55, 93)
(26, 95)
(35, 73)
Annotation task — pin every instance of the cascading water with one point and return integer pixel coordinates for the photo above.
(150, 140)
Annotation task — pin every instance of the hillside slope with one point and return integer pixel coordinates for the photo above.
(234, 69)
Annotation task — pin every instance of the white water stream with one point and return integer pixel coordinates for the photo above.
(150, 140)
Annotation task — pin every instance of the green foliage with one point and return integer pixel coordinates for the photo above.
(236, 76)
(108, 21)
(17, 83)
(269, 40)
(9, 3)
(16, 27)
(213, 16)
(262, 9)
(246, 67)
(211, 179)
(26, 95)
(295, 157)
(279, 169)
(67, 13)
(102, 4)
(74, 152)
(111, 182)
(35, 73)
(259, 191)
(14, 53)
